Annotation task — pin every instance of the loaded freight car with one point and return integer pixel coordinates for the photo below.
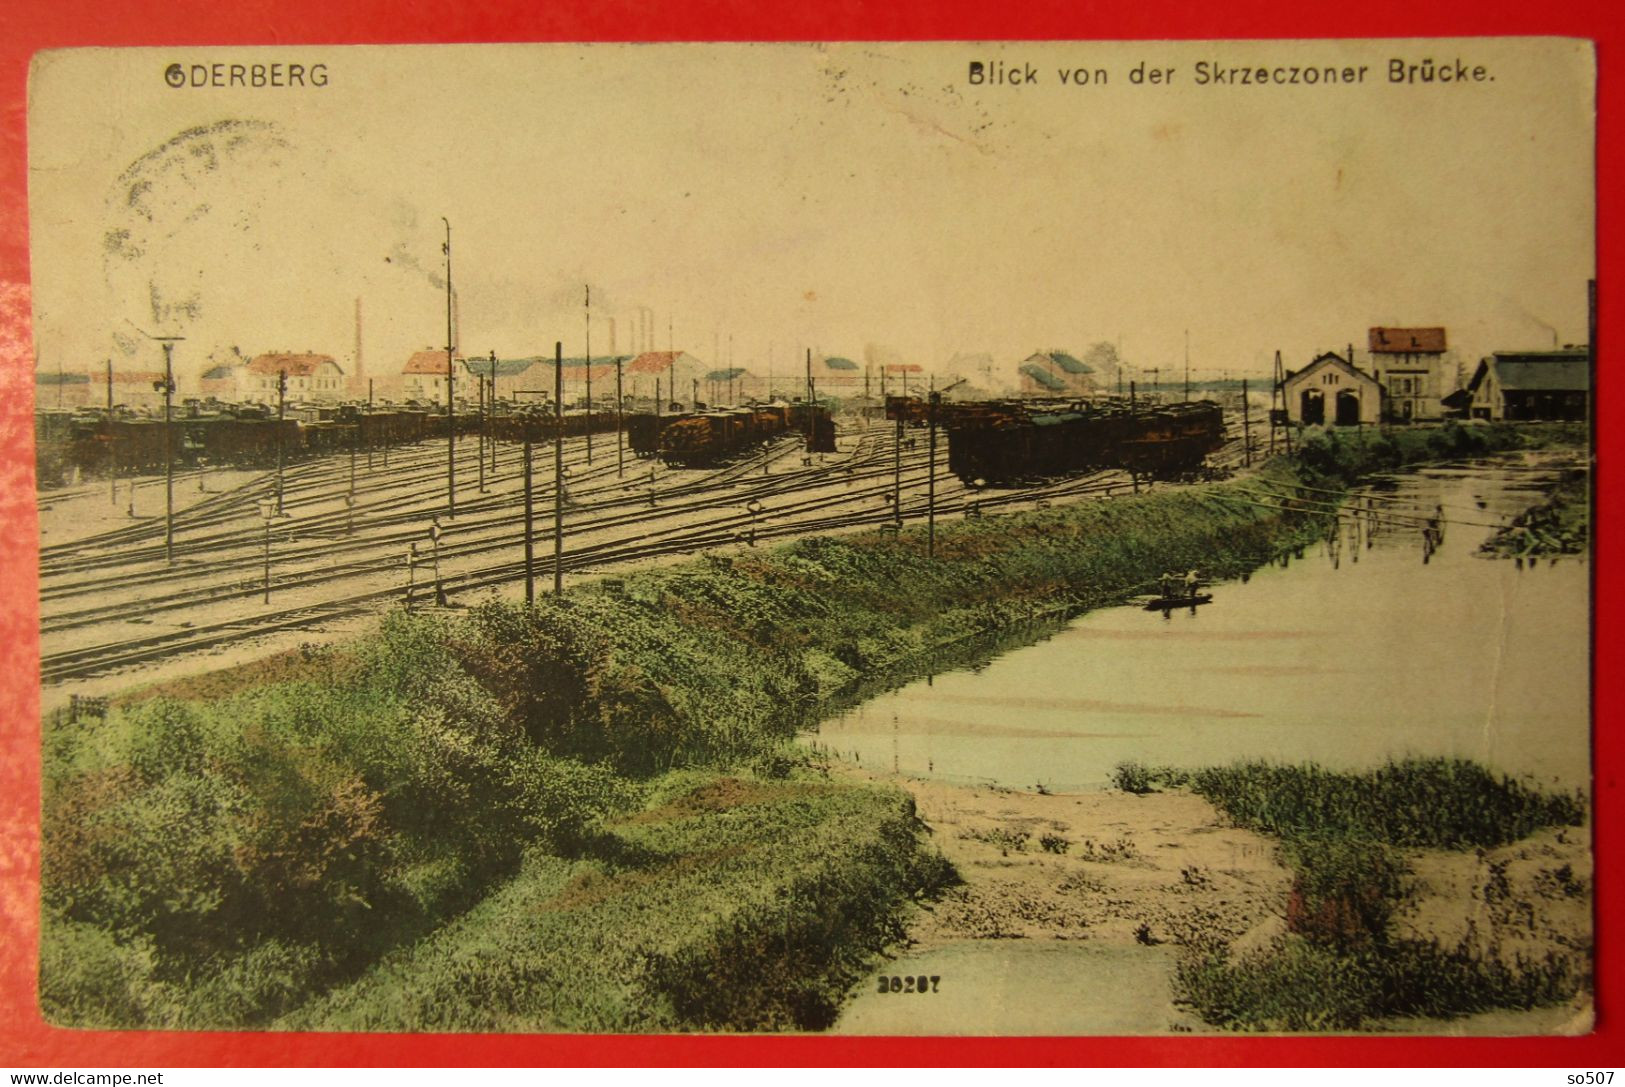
(1012, 442)
(1173, 438)
(707, 437)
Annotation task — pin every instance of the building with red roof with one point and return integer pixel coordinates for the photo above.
(424, 375)
(1416, 369)
(308, 376)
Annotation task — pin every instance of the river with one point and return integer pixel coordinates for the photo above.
(1356, 652)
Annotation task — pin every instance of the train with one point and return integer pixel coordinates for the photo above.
(92, 442)
(703, 438)
(1008, 442)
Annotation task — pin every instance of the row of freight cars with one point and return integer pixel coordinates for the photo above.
(1005, 442)
(92, 442)
(702, 438)
(70, 444)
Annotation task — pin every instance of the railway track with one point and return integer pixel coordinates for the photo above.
(611, 521)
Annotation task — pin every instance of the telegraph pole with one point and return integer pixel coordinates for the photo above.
(168, 385)
(897, 470)
(589, 372)
(620, 430)
(530, 548)
(558, 468)
(932, 401)
(809, 403)
(281, 443)
(479, 385)
(349, 499)
(1246, 428)
(112, 441)
(1187, 364)
(451, 422)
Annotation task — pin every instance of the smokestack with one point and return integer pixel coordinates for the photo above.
(611, 321)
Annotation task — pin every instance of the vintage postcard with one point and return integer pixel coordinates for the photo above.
(982, 538)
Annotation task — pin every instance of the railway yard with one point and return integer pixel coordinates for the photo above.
(248, 580)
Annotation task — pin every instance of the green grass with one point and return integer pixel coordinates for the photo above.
(1434, 802)
(735, 905)
(221, 852)
(1560, 525)
(1340, 967)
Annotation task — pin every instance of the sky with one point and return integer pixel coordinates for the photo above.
(846, 199)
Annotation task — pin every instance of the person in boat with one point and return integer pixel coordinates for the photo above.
(1192, 582)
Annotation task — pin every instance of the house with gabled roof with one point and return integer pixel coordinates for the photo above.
(424, 376)
(676, 371)
(1331, 391)
(1055, 373)
(309, 376)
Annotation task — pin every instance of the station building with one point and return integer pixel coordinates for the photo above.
(1415, 368)
(1331, 391)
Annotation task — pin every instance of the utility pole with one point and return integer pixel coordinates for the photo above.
(897, 470)
(620, 429)
(369, 436)
(530, 549)
(479, 386)
(451, 421)
(932, 400)
(589, 373)
(1187, 364)
(349, 499)
(809, 411)
(112, 442)
(281, 412)
(558, 468)
(168, 386)
(1246, 428)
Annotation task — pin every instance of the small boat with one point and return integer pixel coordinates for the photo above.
(1169, 603)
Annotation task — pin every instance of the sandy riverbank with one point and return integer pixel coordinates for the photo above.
(1081, 937)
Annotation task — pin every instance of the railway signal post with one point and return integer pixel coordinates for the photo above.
(168, 387)
(281, 452)
(268, 513)
(435, 532)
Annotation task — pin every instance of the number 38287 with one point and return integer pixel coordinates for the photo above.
(908, 983)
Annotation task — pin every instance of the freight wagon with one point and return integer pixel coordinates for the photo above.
(1003, 442)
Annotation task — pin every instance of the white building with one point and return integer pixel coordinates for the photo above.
(308, 376)
(1331, 392)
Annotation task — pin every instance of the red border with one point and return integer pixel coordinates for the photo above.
(40, 24)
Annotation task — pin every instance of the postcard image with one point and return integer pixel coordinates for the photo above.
(956, 538)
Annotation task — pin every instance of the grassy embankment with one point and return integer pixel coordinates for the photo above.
(221, 852)
(1342, 963)
(301, 839)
